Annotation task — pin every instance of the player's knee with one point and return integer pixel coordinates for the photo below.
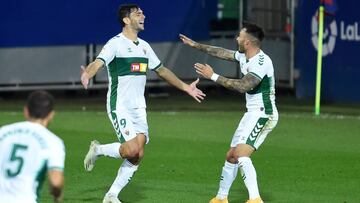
(141, 154)
(130, 151)
(133, 152)
(231, 160)
(230, 157)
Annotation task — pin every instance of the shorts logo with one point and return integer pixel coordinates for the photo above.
(138, 67)
(126, 132)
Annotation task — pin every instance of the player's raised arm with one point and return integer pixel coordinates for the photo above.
(219, 52)
(89, 72)
(245, 84)
(172, 79)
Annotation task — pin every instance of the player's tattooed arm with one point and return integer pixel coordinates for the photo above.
(245, 84)
(219, 52)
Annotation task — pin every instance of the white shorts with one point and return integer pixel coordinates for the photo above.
(128, 123)
(253, 128)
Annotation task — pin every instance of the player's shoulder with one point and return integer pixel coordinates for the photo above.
(12, 126)
(262, 59)
(40, 132)
(50, 138)
(143, 42)
(116, 39)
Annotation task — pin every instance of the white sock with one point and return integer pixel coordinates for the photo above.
(125, 172)
(228, 175)
(111, 150)
(249, 176)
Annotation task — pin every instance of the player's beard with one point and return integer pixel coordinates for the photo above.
(241, 48)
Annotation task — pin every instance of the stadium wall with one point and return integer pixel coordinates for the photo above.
(68, 22)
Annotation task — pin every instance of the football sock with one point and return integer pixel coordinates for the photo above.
(228, 175)
(123, 177)
(111, 150)
(249, 176)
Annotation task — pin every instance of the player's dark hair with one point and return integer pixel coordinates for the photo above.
(254, 30)
(40, 104)
(125, 10)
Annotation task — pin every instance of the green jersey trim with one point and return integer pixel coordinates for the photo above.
(264, 88)
(129, 65)
(156, 67)
(234, 55)
(101, 59)
(113, 88)
(56, 168)
(40, 177)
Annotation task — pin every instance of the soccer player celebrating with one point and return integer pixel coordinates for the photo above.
(127, 58)
(28, 150)
(261, 116)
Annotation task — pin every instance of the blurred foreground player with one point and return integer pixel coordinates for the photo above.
(29, 151)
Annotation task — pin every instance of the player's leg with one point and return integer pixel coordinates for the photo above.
(123, 126)
(128, 167)
(228, 175)
(132, 150)
(253, 134)
(96, 149)
(229, 171)
(247, 169)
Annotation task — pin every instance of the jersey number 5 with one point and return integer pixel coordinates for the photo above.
(14, 157)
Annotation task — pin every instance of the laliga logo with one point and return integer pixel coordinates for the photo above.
(329, 36)
(348, 32)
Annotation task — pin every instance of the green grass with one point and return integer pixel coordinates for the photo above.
(305, 159)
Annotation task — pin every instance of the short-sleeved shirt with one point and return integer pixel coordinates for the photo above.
(262, 97)
(27, 151)
(127, 63)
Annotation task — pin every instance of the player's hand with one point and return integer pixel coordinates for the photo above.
(194, 92)
(84, 77)
(204, 70)
(187, 40)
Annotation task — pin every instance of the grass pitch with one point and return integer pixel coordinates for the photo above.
(305, 159)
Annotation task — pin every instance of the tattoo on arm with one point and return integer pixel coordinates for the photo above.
(216, 51)
(245, 84)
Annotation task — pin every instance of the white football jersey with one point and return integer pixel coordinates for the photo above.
(27, 151)
(127, 62)
(261, 97)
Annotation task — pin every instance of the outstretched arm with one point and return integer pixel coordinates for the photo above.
(245, 84)
(172, 79)
(89, 72)
(219, 52)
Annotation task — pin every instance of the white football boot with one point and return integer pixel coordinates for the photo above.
(111, 198)
(90, 158)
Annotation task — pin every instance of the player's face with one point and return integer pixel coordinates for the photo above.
(137, 19)
(241, 40)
